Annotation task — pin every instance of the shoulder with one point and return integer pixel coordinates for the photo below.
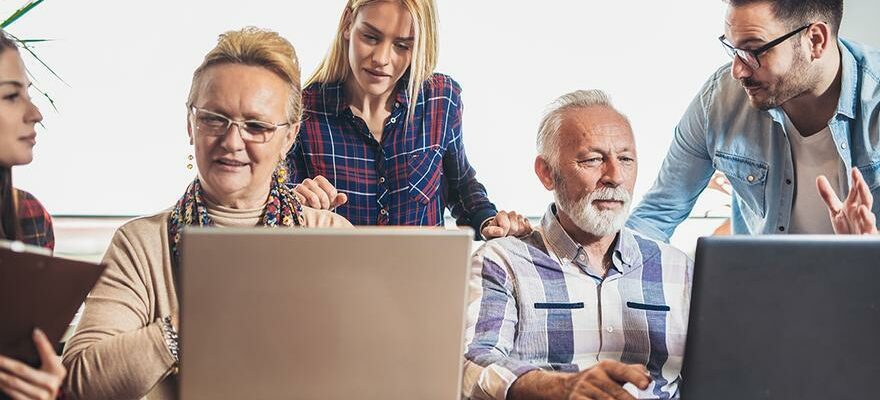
(514, 253)
(441, 85)
(34, 220)
(29, 206)
(315, 218)
(668, 255)
(867, 58)
(320, 96)
(151, 230)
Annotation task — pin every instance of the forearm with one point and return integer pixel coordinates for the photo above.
(539, 385)
(125, 365)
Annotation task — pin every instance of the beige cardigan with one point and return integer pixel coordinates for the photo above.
(118, 351)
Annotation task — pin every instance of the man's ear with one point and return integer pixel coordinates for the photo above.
(545, 173)
(819, 35)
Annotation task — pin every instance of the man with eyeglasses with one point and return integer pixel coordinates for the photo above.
(792, 121)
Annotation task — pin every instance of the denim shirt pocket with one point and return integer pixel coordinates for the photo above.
(748, 178)
(425, 173)
(871, 173)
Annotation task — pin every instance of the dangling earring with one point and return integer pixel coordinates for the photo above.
(281, 172)
(189, 163)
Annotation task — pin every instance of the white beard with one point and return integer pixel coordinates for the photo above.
(588, 218)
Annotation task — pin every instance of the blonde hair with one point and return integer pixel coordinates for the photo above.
(256, 47)
(335, 66)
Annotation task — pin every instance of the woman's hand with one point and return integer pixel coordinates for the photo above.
(21, 382)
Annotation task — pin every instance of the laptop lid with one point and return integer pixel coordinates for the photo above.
(369, 313)
(784, 317)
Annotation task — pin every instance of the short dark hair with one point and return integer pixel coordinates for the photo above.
(797, 13)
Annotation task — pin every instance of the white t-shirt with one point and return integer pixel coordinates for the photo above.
(813, 156)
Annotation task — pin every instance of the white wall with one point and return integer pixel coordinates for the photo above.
(118, 146)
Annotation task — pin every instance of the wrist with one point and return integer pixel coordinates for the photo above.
(169, 334)
(486, 222)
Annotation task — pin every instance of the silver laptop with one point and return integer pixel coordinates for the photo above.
(366, 313)
(784, 317)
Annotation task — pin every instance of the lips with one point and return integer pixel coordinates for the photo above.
(376, 74)
(32, 138)
(231, 163)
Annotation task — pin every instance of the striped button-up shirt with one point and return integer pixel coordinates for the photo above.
(535, 304)
(416, 172)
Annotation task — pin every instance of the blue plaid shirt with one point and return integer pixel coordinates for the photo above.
(535, 304)
(410, 178)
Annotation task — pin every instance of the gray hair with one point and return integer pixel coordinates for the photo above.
(548, 131)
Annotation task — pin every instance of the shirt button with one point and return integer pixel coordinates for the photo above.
(381, 179)
(610, 329)
(782, 229)
(582, 257)
(788, 181)
(393, 119)
(750, 178)
(383, 211)
(843, 145)
(396, 104)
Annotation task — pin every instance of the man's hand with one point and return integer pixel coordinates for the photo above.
(506, 224)
(20, 381)
(605, 380)
(319, 193)
(853, 215)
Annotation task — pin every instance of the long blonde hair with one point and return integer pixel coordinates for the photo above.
(261, 48)
(335, 66)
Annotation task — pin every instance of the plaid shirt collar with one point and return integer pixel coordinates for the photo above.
(332, 98)
(626, 254)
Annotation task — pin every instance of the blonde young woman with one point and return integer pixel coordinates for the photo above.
(381, 139)
(22, 217)
(243, 114)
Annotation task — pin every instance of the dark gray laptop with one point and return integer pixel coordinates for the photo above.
(784, 317)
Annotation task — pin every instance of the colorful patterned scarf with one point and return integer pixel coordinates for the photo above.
(282, 209)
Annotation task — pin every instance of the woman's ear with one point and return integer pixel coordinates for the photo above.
(289, 139)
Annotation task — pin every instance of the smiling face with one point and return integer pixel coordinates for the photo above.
(233, 172)
(380, 40)
(595, 170)
(785, 71)
(18, 115)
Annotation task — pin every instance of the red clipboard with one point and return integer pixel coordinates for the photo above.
(38, 291)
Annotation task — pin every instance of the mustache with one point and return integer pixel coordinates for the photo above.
(610, 193)
(749, 82)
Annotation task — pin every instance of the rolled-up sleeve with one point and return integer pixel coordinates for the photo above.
(489, 371)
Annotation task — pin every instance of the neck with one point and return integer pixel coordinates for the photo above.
(364, 103)
(811, 110)
(598, 248)
(236, 201)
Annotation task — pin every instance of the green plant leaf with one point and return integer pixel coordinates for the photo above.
(35, 40)
(20, 12)
(29, 49)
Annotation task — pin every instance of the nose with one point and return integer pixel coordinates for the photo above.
(612, 174)
(232, 140)
(740, 70)
(381, 54)
(33, 114)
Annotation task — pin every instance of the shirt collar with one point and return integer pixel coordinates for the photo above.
(626, 249)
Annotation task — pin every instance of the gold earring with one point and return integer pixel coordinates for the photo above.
(189, 164)
(281, 174)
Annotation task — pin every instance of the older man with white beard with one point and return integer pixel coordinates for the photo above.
(582, 307)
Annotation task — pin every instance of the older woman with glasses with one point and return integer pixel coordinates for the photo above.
(243, 114)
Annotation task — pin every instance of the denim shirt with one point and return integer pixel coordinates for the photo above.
(722, 131)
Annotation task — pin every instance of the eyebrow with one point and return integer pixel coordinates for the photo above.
(376, 30)
(15, 83)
